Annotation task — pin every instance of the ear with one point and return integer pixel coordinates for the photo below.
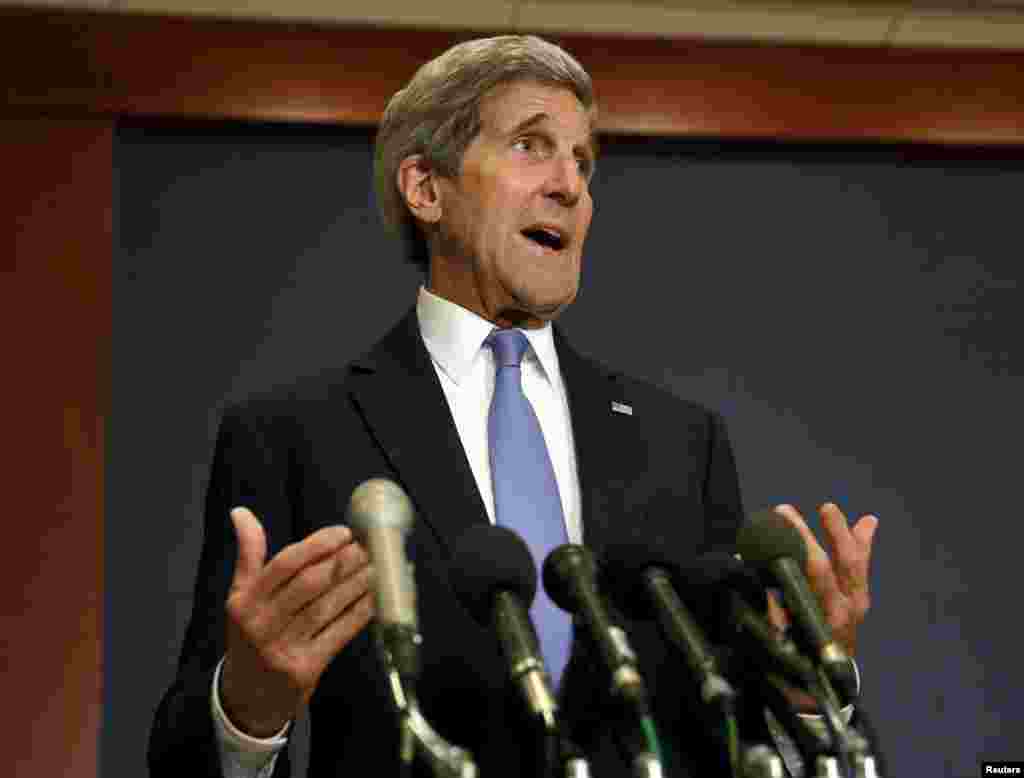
(418, 185)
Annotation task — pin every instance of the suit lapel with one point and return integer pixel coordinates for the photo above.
(605, 442)
(399, 394)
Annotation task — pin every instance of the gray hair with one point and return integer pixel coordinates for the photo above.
(437, 115)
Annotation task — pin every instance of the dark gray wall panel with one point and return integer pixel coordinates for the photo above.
(851, 310)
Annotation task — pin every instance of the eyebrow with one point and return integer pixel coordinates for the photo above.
(539, 118)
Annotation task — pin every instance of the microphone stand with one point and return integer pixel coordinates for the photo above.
(844, 752)
(445, 760)
(639, 737)
(562, 757)
(416, 735)
(681, 630)
(745, 761)
(852, 750)
(406, 734)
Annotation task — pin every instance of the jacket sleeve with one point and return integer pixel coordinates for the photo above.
(251, 466)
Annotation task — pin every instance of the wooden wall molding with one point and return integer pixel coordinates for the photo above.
(55, 328)
(70, 62)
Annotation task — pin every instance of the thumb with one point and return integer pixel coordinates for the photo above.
(252, 546)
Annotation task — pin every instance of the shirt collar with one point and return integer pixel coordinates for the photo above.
(454, 336)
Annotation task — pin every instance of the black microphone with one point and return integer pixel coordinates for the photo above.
(700, 603)
(726, 597)
(732, 602)
(770, 543)
(495, 578)
(645, 581)
(381, 515)
(570, 579)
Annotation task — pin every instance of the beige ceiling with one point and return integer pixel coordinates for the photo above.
(960, 23)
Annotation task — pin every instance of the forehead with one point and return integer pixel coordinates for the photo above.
(507, 106)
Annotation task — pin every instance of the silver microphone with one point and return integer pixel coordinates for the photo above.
(381, 515)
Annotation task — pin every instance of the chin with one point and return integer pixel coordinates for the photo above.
(541, 293)
(548, 306)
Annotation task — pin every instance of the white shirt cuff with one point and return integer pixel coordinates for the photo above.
(242, 754)
(817, 722)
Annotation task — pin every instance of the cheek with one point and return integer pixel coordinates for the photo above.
(588, 215)
(495, 217)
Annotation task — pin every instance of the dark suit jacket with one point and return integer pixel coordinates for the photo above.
(295, 455)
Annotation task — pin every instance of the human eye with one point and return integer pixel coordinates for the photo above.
(585, 165)
(534, 145)
(524, 144)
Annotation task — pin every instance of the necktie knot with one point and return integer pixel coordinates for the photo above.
(508, 347)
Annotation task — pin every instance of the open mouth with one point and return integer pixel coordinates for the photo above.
(546, 237)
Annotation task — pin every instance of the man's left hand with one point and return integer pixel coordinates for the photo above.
(839, 579)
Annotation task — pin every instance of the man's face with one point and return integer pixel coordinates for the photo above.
(513, 223)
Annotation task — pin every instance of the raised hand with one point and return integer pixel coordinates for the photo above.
(286, 619)
(839, 578)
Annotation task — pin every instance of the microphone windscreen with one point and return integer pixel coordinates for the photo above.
(564, 569)
(725, 573)
(623, 564)
(487, 559)
(379, 503)
(766, 536)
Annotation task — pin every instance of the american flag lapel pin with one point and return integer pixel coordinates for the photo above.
(618, 407)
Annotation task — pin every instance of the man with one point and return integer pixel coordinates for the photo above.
(483, 168)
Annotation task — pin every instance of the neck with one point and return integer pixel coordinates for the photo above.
(463, 292)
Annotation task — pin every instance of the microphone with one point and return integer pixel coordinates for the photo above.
(647, 580)
(570, 579)
(773, 545)
(494, 577)
(734, 604)
(644, 581)
(380, 514)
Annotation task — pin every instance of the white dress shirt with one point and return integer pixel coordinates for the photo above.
(454, 337)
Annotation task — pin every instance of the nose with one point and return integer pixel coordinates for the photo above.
(565, 183)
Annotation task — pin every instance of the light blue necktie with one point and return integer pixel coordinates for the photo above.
(526, 495)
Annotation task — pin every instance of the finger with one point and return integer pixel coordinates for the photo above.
(340, 632)
(792, 515)
(312, 583)
(847, 558)
(846, 540)
(351, 558)
(864, 532)
(321, 612)
(293, 558)
(850, 553)
(818, 568)
(252, 547)
(837, 531)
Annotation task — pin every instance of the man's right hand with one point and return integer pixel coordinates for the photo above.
(286, 619)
